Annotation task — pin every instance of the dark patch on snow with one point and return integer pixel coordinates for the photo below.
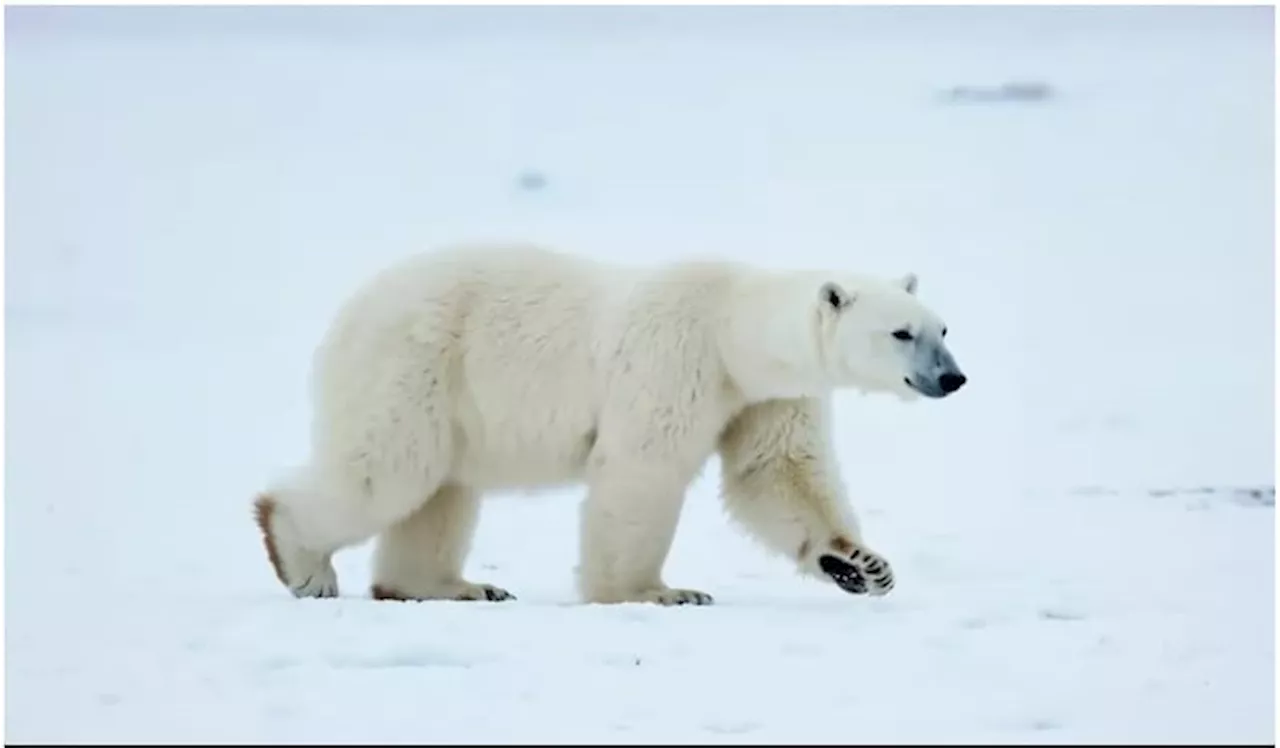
(531, 180)
(1243, 495)
(1057, 614)
(621, 660)
(279, 663)
(396, 660)
(1016, 92)
(1260, 496)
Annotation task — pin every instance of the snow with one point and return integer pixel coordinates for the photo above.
(1083, 538)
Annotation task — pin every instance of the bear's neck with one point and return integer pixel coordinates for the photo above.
(770, 347)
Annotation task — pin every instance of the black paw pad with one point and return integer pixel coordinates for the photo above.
(497, 595)
(843, 573)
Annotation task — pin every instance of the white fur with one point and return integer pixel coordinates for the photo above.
(479, 369)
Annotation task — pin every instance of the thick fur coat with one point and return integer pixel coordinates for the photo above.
(472, 370)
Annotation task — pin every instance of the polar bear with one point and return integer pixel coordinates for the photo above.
(476, 369)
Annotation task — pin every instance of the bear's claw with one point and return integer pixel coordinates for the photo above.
(671, 596)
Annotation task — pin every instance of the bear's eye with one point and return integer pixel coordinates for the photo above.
(944, 332)
(903, 334)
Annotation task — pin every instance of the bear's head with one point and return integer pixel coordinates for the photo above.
(877, 336)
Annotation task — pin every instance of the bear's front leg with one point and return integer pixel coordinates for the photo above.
(782, 485)
(628, 522)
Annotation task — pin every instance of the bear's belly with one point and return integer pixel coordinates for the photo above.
(538, 442)
(546, 464)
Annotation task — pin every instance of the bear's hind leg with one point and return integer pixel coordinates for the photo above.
(303, 527)
(306, 572)
(352, 491)
(627, 526)
(421, 557)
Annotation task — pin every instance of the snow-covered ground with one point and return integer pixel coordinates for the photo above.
(1083, 538)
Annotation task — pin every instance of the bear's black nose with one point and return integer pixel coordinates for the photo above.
(951, 381)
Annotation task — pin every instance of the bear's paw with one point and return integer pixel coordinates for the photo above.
(672, 596)
(857, 570)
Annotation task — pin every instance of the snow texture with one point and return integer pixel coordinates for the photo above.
(1084, 537)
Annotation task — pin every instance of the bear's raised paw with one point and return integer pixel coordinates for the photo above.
(860, 572)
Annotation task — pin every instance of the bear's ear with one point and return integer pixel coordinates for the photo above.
(834, 296)
(909, 283)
